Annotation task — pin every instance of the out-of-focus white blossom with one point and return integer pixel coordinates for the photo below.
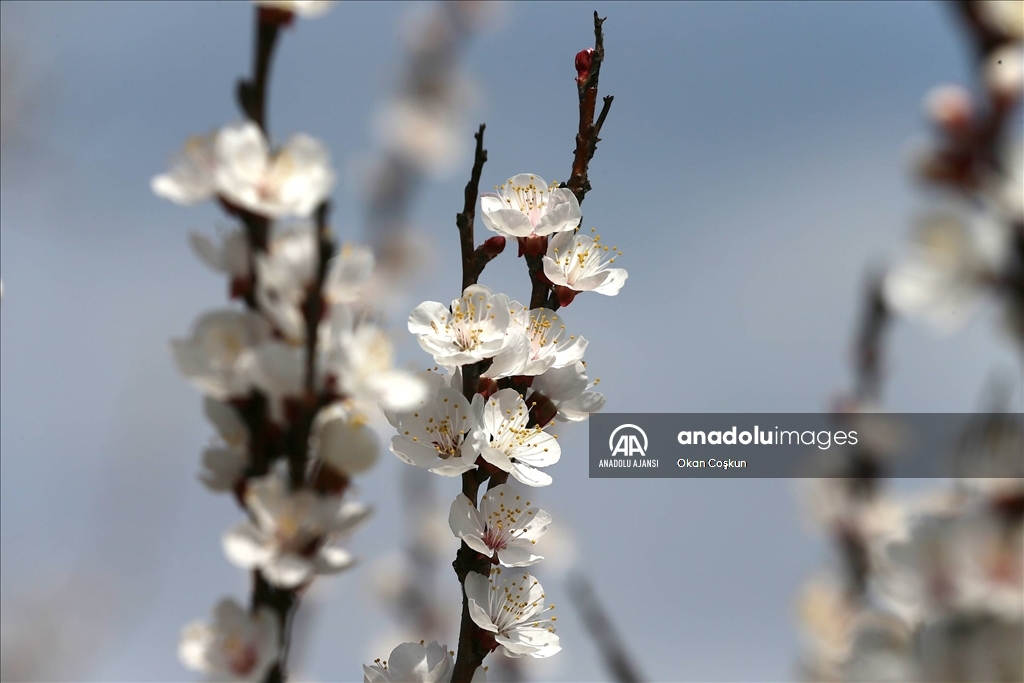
(967, 562)
(291, 535)
(525, 205)
(225, 460)
(945, 275)
(1003, 16)
(443, 434)
(347, 274)
(513, 446)
(217, 356)
(290, 181)
(192, 177)
(237, 646)
(359, 359)
(581, 263)
(343, 441)
(308, 9)
(539, 342)
(504, 525)
(511, 606)
(230, 256)
(355, 360)
(1004, 72)
(237, 164)
(474, 329)
(283, 274)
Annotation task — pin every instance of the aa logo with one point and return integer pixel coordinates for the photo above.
(628, 442)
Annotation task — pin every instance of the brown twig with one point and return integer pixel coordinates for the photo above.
(588, 73)
(617, 660)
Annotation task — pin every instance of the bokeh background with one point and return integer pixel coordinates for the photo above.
(753, 169)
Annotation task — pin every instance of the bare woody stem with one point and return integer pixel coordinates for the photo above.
(251, 95)
(472, 649)
(588, 65)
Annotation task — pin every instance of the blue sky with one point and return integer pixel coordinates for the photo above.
(752, 169)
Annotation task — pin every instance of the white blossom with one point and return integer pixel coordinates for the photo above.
(283, 274)
(951, 263)
(443, 434)
(237, 646)
(288, 269)
(1004, 16)
(292, 180)
(216, 357)
(511, 606)
(956, 563)
(359, 359)
(474, 329)
(581, 263)
(309, 9)
(192, 176)
(291, 534)
(413, 663)
(230, 256)
(347, 274)
(225, 460)
(355, 359)
(569, 391)
(514, 446)
(504, 525)
(342, 440)
(538, 342)
(1004, 71)
(527, 206)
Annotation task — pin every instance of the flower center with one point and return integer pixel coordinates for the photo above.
(241, 656)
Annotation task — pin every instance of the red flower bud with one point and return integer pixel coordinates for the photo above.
(493, 246)
(584, 61)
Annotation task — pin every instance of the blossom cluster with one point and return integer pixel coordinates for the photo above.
(933, 587)
(289, 374)
(505, 374)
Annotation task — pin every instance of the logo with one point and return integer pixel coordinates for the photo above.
(628, 444)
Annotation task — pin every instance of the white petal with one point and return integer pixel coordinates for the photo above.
(247, 547)
(529, 475)
(477, 588)
(286, 571)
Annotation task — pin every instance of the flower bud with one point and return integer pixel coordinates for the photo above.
(584, 62)
(492, 246)
(951, 108)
